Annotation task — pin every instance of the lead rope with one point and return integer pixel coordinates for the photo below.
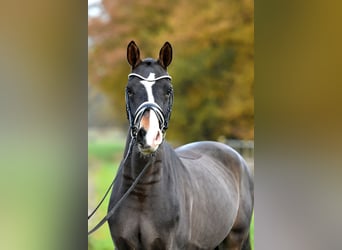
(111, 185)
(111, 212)
(104, 197)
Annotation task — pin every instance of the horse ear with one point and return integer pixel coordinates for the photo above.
(133, 54)
(165, 55)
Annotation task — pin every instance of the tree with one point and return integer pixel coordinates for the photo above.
(213, 66)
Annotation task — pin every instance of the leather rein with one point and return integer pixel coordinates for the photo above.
(112, 210)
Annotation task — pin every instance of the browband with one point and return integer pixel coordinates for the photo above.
(149, 80)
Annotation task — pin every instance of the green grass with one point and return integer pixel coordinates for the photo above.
(105, 151)
(106, 158)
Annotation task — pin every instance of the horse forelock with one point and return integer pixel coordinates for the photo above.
(149, 65)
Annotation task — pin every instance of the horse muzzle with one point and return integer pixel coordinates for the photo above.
(149, 135)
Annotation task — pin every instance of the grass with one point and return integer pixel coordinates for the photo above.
(105, 151)
(104, 159)
(252, 232)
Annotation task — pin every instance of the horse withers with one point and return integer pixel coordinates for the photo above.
(198, 196)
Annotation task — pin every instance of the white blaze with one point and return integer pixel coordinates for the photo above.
(153, 136)
(148, 86)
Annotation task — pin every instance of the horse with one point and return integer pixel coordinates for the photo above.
(197, 196)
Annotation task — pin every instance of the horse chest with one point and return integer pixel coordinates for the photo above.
(147, 225)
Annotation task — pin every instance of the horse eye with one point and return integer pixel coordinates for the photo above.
(168, 92)
(129, 92)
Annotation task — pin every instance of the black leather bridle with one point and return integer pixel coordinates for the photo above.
(163, 118)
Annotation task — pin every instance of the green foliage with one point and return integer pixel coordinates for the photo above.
(212, 69)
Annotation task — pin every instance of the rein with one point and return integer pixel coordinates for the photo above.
(112, 210)
(111, 185)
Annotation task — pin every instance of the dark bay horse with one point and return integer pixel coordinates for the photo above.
(199, 196)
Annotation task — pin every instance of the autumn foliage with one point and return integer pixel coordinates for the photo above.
(212, 67)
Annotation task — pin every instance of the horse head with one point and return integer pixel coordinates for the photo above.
(149, 97)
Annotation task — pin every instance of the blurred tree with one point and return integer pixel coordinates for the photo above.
(213, 66)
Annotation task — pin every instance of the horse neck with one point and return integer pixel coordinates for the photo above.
(161, 166)
(136, 161)
(163, 175)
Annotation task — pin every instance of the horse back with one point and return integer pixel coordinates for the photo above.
(210, 156)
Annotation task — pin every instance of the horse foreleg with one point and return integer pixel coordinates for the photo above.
(236, 240)
(122, 244)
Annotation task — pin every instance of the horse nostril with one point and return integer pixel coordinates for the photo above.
(141, 136)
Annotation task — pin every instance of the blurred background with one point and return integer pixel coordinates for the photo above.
(212, 72)
(44, 85)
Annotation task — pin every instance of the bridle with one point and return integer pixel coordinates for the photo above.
(134, 119)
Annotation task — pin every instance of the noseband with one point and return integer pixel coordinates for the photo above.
(134, 120)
